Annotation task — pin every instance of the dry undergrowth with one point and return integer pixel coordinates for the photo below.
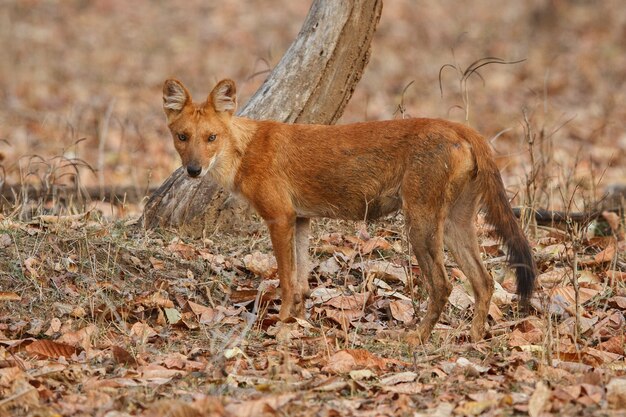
(99, 316)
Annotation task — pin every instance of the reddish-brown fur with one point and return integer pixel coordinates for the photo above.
(436, 171)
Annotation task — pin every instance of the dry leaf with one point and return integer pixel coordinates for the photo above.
(554, 277)
(156, 263)
(344, 317)
(50, 349)
(375, 243)
(615, 345)
(384, 270)
(398, 378)
(348, 359)
(618, 301)
(402, 310)
(568, 294)
(349, 302)
(408, 388)
(616, 276)
(539, 400)
(460, 298)
(9, 296)
(321, 295)
(616, 393)
(614, 223)
(5, 240)
(183, 250)
(261, 264)
(495, 312)
(606, 255)
(329, 267)
(80, 337)
(31, 265)
(123, 357)
(172, 408)
(266, 404)
(142, 332)
(361, 374)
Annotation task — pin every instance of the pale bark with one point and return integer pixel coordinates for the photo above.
(312, 83)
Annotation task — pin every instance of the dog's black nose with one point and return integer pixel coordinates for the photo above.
(193, 170)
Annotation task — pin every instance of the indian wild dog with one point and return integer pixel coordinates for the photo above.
(437, 171)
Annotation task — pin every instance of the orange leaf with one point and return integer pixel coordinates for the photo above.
(123, 357)
(349, 302)
(50, 349)
(614, 345)
(402, 310)
(349, 359)
(605, 255)
(9, 296)
(375, 243)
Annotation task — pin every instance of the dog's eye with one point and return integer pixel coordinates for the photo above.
(212, 137)
(182, 137)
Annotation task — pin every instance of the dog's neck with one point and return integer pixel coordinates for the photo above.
(229, 158)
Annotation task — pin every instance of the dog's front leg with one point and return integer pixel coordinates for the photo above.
(282, 231)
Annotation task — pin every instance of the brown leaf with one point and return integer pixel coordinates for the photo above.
(491, 246)
(375, 243)
(9, 296)
(539, 400)
(408, 388)
(554, 277)
(384, 270)
(5, 240)
(183, 250)
(615, 345)
(123, 357)
(606, 255)
(519, 338)
(344, 317)
(569, 294)
(348, 359)
(142, 332)
(616, 276)
(50, 349)
(259, 407)
(31, 265)
(398, 378)
(616, 393)
(261, 264)
(614, 223)
(156, 263)
(495, 312)
(156, 299)
(80, 337)
(402, 310)
(172, 408)
(618, 301)
(349, 302)
(460, 298)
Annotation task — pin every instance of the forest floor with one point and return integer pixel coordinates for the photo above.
(99, 317)
(109, 319)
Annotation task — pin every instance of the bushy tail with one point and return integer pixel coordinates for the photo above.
(500, 215)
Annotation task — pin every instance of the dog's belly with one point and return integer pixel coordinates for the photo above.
(351, 207)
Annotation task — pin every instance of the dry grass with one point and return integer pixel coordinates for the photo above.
(81, 84)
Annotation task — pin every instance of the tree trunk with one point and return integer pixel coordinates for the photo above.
(312, 83)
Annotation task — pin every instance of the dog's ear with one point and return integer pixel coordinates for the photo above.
(175, 97)
(223, 98)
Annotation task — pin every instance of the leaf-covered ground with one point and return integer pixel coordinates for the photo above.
(108, 319)
(98, 317)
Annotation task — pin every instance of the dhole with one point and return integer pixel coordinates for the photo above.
(437, 171)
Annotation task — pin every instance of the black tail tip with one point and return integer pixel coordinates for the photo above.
(526, 275)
